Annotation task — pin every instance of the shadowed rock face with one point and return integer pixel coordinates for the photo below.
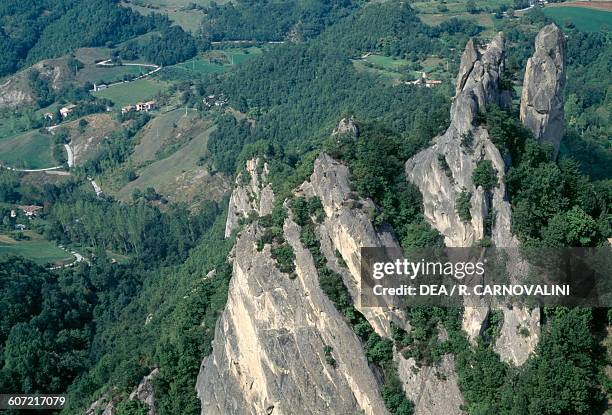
(542, 96)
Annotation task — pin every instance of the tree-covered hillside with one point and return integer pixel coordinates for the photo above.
(32, 30)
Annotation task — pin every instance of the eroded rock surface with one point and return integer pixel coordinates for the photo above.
(437, 392)
(268, 353)
(445, 169)
(253, 194)
(542, 95)
(145, 392)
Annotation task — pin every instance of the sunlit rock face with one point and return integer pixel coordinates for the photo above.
(542, 95)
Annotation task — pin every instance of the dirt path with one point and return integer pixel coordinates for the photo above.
(70, 155)
(31, 170)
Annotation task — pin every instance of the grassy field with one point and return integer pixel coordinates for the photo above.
(102, 74)
(160, 130)
(131, 92)
(181, 176)
(31, 150)
(387, 62)
(90, 56)
(360, 66)
(430, 12)
(585, 19)
(206, 63)
(36, 249)
(394, 69)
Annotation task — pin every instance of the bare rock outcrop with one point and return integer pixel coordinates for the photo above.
(108, 402)
(144, 392)
(253, 194)
(16, 92)
(346, 228)
(346, 126)
(477, 82)
(542, 96)
(269, 349)
(445, 169)
(437, 391)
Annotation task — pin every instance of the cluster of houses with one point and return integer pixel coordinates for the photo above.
(215, 101)
(29, 211)
(423, 81)
(141, 106)
(64, 112)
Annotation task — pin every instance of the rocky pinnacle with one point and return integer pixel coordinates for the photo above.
(542, 97)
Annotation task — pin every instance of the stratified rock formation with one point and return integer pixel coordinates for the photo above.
(253, 193)
(444, 170)
(542, 96)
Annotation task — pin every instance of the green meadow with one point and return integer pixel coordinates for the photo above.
(36, 249)
(585, 19)
(131, 92)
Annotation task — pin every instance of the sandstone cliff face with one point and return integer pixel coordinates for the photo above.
(542, 97)
(440, 181)
(347, 228)
(268, 353)
(445, 169)
(477, 83)
(435, 390)
(253, 194)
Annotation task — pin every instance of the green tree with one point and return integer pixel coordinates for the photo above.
(485, 175)
(570, 229)
(463, 205)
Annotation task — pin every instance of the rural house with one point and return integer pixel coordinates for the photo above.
(31, 210)
(99, 87)
(145, 106)
(67, 110)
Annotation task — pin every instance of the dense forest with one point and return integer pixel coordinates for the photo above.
(273, 20)
(32, 30)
